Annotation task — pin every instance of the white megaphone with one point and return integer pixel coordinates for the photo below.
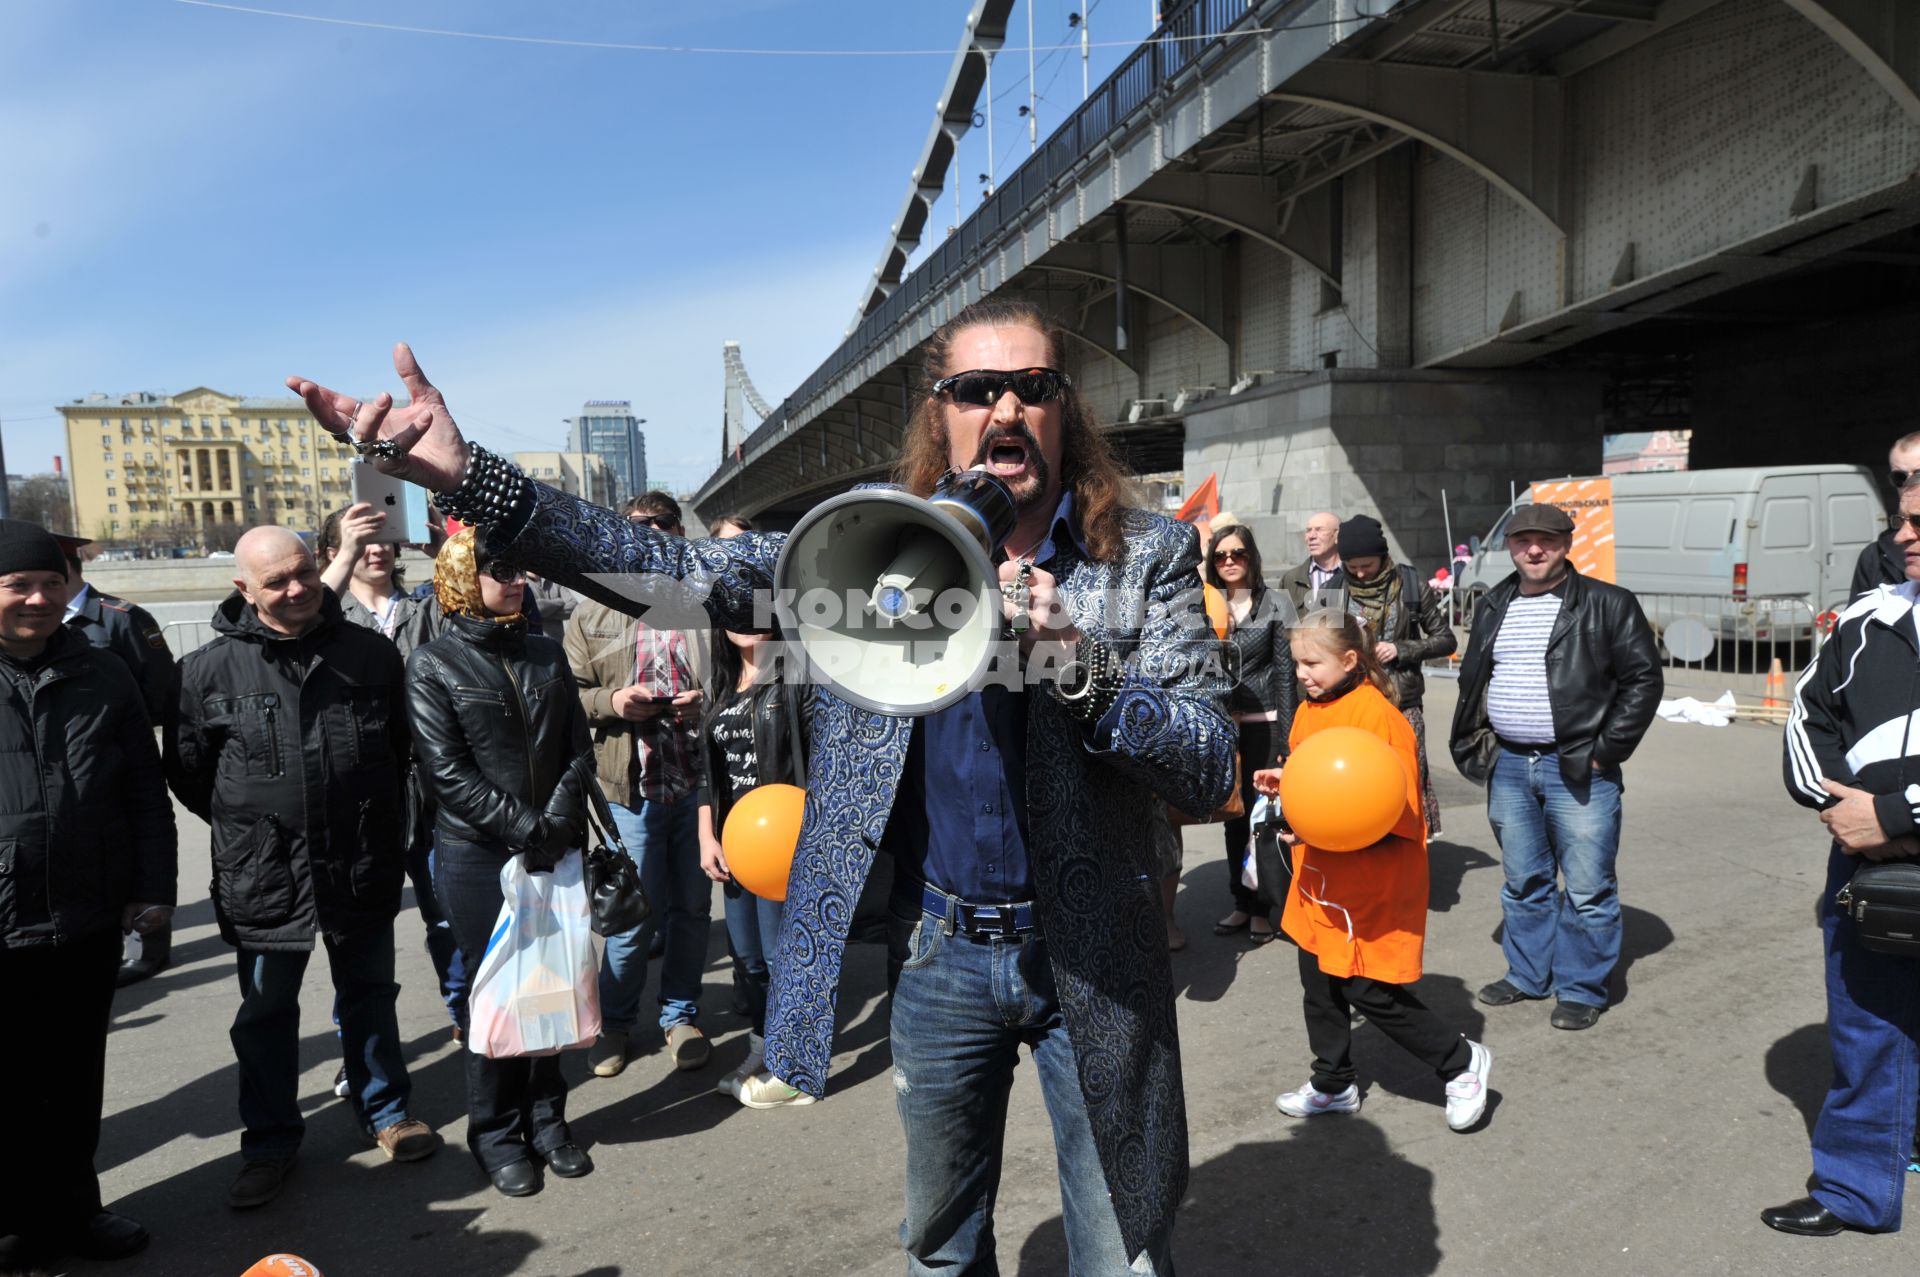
(894, 599)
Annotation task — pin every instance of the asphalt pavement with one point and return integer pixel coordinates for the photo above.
(1646, 1145)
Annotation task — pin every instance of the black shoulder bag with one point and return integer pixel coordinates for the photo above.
(1883, 899)
(614, 893)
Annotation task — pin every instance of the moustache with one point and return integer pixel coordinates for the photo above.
(1018, 431)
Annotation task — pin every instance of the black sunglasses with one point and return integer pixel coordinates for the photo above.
(983, 387)
(503, 572)
(660, 521)
(1229, 555)
(1896, 521)
(1900, 478)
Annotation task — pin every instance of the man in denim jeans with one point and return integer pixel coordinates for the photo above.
(1560, 681)
(641, 690)
(288, 735)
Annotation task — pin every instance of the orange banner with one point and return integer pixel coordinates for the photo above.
(1590, 502)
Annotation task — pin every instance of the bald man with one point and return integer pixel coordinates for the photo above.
(1323, 560)
(288, 735)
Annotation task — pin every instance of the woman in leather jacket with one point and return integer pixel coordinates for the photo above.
(755, 734)
(1261, 702)
(497, 729)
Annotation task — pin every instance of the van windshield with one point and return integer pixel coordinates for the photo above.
(1498, 535)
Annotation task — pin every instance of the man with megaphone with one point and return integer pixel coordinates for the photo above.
(1011, 779)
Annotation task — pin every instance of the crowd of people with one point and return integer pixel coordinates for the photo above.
(341, 734)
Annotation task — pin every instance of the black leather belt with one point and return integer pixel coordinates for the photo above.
(979, 920)
(1548, 747)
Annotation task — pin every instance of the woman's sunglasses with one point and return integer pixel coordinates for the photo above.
(984, 387)
(505, 573)
(1231, 555)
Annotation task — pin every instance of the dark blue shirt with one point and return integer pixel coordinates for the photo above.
(960, 819)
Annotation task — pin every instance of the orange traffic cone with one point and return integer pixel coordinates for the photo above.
(1776, 686)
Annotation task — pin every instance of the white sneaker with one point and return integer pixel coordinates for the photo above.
(765, 1091)
(756, 1056)
(1467, 1094)
(1310, 1102)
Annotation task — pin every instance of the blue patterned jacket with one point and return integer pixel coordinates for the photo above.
(1087, 807)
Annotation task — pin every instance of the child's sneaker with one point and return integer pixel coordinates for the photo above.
(1467, 1094)
(1309, 1101)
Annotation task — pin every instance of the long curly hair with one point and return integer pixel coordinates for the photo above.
(1089, 468)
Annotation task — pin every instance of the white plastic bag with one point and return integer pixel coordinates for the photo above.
(537, 991)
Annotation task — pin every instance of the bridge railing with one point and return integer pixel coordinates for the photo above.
(1187, 33)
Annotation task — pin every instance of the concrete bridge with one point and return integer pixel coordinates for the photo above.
(1356, 261)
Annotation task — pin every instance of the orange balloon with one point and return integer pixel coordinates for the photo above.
(761, 833)
(282, 1266)
(1343, 789)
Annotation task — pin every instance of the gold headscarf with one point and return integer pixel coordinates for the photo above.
(456, 579)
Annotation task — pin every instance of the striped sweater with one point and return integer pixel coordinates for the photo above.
(1856, 712)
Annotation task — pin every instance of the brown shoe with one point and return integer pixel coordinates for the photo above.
(410, 1140)
(688, 1046)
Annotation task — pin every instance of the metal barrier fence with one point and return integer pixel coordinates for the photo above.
(1711, 643)
(184, 636)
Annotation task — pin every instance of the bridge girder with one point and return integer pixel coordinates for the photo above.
(1507, 128)
(1883, 36)
(1175, 275)
(1254, 206)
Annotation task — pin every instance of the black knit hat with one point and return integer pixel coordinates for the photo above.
(28, 547)
(1362, 537)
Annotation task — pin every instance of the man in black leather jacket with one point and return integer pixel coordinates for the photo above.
(1560, 681)
(288, 735)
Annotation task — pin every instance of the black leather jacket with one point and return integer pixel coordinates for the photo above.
(776, 706)
(1419, 632)
(85, 824)
(1263, 663)
(294, 749)
(1603, 677)
(497, 725)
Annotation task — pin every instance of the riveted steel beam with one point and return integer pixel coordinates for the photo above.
(1881, 35)
(1507, 128)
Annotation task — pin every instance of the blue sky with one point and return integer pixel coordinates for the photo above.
(193, 195)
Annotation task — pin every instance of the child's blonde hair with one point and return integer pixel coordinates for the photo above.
(1337, 631)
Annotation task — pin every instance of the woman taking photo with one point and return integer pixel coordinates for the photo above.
(497, 730)
(1407, 623)
(1261, 702)
(755, 734)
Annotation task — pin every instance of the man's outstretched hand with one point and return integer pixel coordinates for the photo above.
(433, 452)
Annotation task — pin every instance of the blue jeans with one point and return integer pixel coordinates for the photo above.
(266, 1038)
(961, 1011)
(1865, 1129)
(1561, 942)
(753, 925)
(663, 838)
(442, 950)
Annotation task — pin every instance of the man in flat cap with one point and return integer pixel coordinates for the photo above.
(130, 633)
(1560, 681)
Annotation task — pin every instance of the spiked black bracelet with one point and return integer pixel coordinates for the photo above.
(1091, 682)
(491, 490)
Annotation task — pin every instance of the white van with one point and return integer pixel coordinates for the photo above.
(1749, 535)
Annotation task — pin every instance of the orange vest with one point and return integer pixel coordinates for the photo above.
(1364, 913)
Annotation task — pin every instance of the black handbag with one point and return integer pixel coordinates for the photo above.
(614, 894)
(1883, 899)
(1272, 859)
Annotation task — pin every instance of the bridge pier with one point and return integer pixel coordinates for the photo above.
(1389, 442)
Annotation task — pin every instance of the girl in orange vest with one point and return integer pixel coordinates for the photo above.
(1360, 917)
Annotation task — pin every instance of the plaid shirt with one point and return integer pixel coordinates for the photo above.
(665, 748)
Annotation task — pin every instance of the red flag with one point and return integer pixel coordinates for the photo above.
(1203, 504)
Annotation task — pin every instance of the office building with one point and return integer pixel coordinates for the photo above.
(170, 469)
(608, 429)
(582, 474)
